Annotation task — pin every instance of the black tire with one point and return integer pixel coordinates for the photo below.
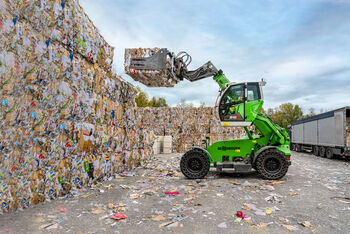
(322, 151)
(296, 148)
(195, 164)
(329, 153)
(271, 165)
(316, 150)
(293, 147)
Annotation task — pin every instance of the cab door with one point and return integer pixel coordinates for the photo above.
(239, 104)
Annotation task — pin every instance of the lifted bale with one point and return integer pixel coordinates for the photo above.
(148, 77)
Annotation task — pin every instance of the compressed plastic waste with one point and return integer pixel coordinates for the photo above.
(65, 118)
(188, 126)
(151, 78)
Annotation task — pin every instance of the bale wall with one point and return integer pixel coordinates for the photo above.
(61, 107)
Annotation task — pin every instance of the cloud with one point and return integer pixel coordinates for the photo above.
(301, 47)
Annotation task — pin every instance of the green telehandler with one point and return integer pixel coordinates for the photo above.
(238, 105)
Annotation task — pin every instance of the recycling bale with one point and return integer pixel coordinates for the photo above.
(60, 103)
(150, 78)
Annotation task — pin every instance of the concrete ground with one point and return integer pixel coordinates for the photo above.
(313, 197)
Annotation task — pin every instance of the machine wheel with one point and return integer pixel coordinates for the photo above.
(322, 151)
(195, 164)
(329, 153)
(271, 164)
(316, 150)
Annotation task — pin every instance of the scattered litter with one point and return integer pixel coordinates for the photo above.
(346, 198)
(135, 196)
(191, 196)
(158, 218)
(50, 226)
(172, 192)
(118, 216)
(274, 198)
(290, 227)
(149, 192)
(166, 224)
(53, 227)
(175, 225)
(277, 181)
(292, 194)
(284, 220)
(305, 224)
(123, 186)
(245, 207)
(39, 220)
(61, 209)
(346, 202)
(240, 214)
(120, 208)
(97, 211)
(257, 210)
(268, 211)
(268, 187)
(110, 206)
(222, 225)
(235, 182)
(248, 220)
(260, 225)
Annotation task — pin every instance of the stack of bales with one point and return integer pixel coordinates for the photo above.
(65, 118)
(187, 126)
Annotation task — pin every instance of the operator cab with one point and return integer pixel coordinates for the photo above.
(239, 104)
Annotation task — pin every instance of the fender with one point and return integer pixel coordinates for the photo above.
(261, 150)
(204, 150)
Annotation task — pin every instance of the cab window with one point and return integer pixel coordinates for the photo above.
(234, 94)
(253, 92)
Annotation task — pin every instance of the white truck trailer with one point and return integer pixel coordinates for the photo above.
(324, 135)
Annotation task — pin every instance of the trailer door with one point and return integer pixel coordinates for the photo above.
(340, 127)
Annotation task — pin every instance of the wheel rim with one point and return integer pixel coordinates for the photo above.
(194, 164)
(272, 165)
(329, 153)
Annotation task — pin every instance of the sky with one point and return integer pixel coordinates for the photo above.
(300, 47)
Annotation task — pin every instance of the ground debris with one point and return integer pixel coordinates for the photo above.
(260, 225)
(290, 227)
(158, 218)
(97, 211)
(222, 225)
(118, 216)
(235, 182)
(305, 224)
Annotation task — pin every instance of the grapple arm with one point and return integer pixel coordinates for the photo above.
(175, 66)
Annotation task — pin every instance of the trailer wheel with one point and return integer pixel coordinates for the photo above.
(271, 164)
(296, 149)
(316, 150)
(195, 164)
(293, 147)
(322, 151)
(329, 153)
